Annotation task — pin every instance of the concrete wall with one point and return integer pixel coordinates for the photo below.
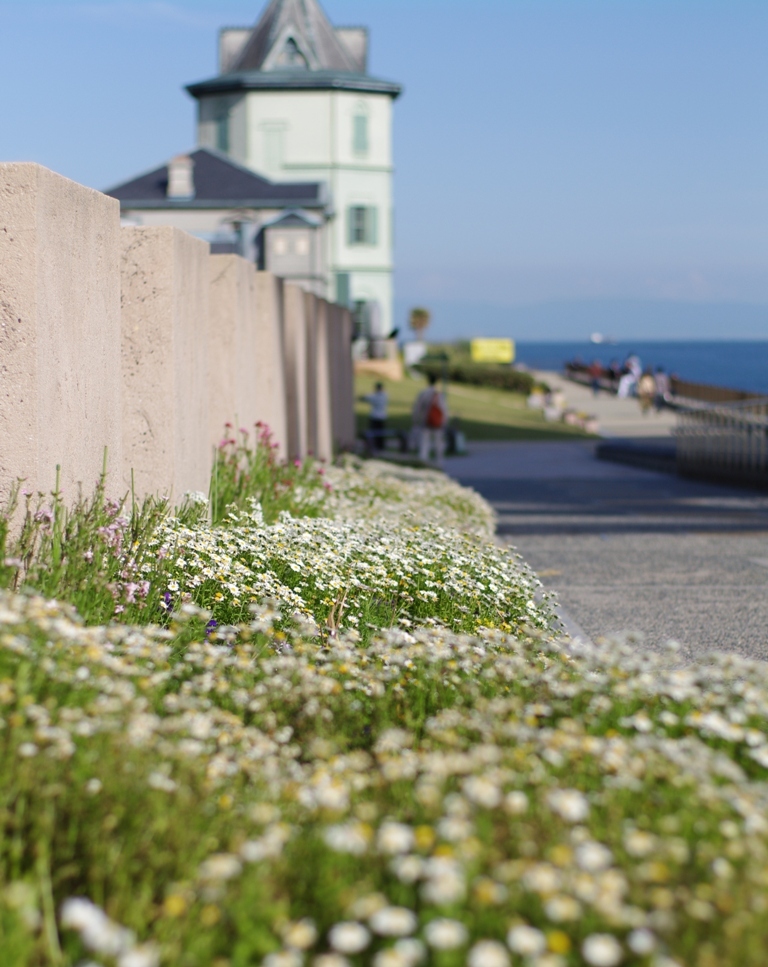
(60, 394)
(271, 382)
(236, 346)
(165, 345)
(320, 365)
(295, 350)
(140, 341)
(341, 377)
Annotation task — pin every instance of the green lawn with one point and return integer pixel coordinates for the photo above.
(485, 414)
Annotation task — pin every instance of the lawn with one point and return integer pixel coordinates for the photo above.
(485, 414)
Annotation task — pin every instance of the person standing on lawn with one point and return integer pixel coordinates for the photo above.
(430, 418)
(377, 421)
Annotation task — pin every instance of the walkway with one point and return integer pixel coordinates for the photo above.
(617, 418)
(630, 550)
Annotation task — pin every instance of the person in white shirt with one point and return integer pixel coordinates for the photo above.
(430, 418)
(633, 370)
(377, 421)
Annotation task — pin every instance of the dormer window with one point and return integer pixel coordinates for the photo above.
(291, 57)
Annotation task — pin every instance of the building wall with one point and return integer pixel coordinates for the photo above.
(311, 136)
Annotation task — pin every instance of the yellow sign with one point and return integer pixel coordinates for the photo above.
(493, 351)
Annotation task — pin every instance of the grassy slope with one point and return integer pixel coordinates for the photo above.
(485, 414)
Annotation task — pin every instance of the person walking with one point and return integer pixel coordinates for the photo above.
(663, 388)
(595, 375)
(430, 418)
(377, 421)
(646, 391)
(632, 371)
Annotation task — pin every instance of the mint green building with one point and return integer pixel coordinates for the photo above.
(294, 102)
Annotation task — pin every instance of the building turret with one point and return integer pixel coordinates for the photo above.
(294, 101)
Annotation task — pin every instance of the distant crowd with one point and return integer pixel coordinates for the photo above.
(653, 388)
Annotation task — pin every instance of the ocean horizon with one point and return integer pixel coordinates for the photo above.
(736, 364)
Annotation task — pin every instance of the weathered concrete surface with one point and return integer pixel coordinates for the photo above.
(341, 377)
(630, 550)
(60, 392)
(324, 418)
(310, 322)
(319, 419)
(269, 369)
(165, 312)
(234, 346)
(295, 348)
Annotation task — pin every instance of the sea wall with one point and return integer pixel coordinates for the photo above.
(139, 342)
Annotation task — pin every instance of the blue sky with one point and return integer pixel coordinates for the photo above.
(578, 155)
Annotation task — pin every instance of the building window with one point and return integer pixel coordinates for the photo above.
(222, 132)
(363, 227)
(360, 134)
(343, 289)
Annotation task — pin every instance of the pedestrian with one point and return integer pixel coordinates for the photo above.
(430, 417)
(646, 391)
(377, 421)
(663, 388)
(595, 375)
(632, 371)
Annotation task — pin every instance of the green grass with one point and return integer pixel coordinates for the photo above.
(484, 414)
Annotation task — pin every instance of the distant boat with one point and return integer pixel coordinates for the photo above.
(599, 339)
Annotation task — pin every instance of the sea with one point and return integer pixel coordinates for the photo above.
(739, 365)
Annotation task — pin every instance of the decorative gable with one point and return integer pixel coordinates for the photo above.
(290, 52)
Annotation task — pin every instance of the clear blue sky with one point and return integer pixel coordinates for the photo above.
(567, 156)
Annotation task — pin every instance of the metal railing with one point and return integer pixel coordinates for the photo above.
(728, 440)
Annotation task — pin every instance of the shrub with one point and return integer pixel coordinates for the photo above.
(480, 374)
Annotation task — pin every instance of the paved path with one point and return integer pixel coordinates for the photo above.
(629, 549)
(617, 418)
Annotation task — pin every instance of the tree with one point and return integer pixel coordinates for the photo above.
(419, 320)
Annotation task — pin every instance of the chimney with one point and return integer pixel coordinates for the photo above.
(181, 178)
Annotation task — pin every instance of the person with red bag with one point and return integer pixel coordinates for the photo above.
(430, 418)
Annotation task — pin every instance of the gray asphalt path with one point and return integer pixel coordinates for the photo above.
(630, 550)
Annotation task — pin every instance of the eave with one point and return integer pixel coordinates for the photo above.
(294, 81)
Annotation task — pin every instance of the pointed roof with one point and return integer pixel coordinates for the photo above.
(295, 47)
(294, 35)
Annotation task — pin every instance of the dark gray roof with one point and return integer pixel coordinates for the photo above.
(219, 183)
(297, 34)
(295, 47)
(294, 80)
